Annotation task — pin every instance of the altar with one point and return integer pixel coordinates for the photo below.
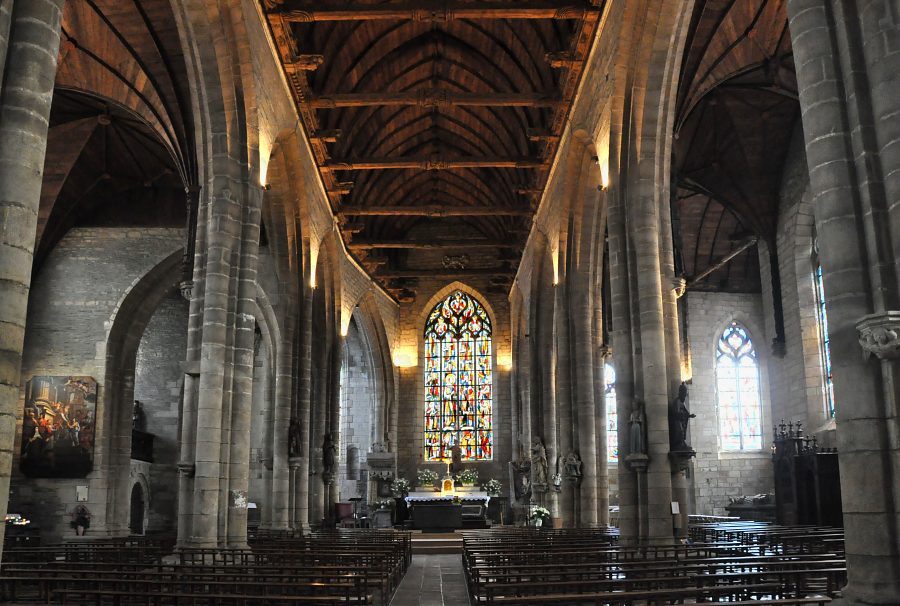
(431, 512)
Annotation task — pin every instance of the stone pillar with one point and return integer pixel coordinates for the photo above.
(300, 479)
(621, 338)
(242, 395)
(586, 215)
(29, 44)
(601, 357)
(543, 352)
(847, 68)
(284, 382)
(565, 423)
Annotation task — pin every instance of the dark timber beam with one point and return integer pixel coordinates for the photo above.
(429, 245)
(431, 163)
(434, 98)
(433, 211)
(309, 11)
(725, 260)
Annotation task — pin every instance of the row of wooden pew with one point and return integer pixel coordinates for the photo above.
(735, 562)
(359, 567)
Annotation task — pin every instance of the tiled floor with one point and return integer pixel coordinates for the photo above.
(433, 580)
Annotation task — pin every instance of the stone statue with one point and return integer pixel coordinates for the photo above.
(679, 416)
(538, 463)
(294, 439)
(522, 480)
(138, 418)
(455, 459)
(572, 465)
(636, 423)
(329, 451)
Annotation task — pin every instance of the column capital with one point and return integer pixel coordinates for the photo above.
(605, 352)
(879, 334)
(679, 286)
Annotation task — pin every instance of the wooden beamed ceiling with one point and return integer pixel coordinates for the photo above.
(434, 124)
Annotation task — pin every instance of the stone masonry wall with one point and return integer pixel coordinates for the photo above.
(718, 474)
(158, 382)
(72, 303)
(358, 401)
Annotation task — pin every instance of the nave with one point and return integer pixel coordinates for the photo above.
(310, 288)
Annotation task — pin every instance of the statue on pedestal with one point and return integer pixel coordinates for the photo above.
(637, 421)
(572, 465)
(294, 439)
(538, 464)
(679, 417)
(138, 418)
(329, 456)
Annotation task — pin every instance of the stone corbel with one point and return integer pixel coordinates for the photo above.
(679, 286)
(605, 352)
(186, 469)
(879, 334)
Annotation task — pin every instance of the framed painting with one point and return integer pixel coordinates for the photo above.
(58, 427)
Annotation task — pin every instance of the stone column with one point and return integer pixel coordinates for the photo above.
(564, 410)
(300, 479)
(601, 357)
(27, 72)
(585, 209)
(621, 338)
(847, 68)
(284, 383)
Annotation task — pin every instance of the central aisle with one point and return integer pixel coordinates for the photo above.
(433, 580)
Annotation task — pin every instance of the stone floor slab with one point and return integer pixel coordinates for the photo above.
(433, 580)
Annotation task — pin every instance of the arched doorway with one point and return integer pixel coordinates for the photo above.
(136, 523)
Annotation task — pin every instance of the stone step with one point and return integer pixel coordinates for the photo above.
(436, 543)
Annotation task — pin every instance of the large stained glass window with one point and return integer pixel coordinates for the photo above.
(824, 342)
(737, 390)
(458, 380)
(612, 419)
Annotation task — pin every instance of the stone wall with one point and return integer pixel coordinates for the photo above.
(719, 474)
(74, 300)
(158, 383)
(358, 405)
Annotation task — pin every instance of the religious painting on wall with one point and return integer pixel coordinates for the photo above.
(458, 380)
(58, 427)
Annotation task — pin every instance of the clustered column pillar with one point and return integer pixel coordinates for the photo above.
(29, 45)
(847, 71)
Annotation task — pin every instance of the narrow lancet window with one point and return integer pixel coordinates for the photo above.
(737, 390)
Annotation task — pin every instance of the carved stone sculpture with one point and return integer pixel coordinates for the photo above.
(572, 464)
(138, 418)
(637, 422)
(522, 479)
(328, 456)
(538, 463)
(879, 334)
(294, 439)
(679, 416)
(455, 459)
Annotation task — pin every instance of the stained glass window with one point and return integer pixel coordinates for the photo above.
(612, 419)
(824, 342)
(458, 380)
(737, 390)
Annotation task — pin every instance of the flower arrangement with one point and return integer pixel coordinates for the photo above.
(400, 487)
(426, 477)
(539, 516)
(384, 504)
(493, 487)
(468, 476)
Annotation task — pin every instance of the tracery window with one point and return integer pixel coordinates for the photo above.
(612, 419)
(824, 342)
(458, 379)
(737, 390)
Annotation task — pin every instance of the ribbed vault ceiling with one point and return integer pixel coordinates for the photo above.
(433, 129)
(737, 107)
